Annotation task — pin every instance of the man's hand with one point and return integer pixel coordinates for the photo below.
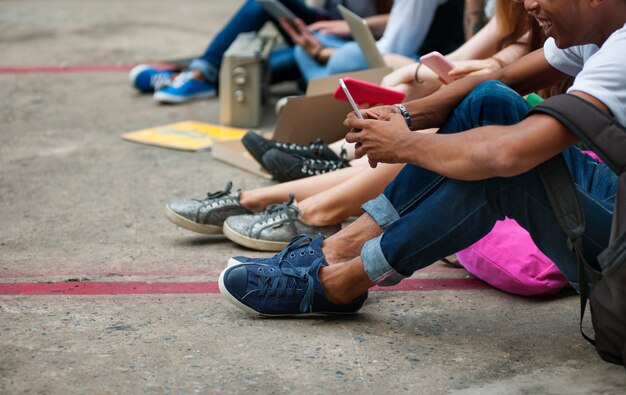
(380, 135)
(379, 112)
(336, 28)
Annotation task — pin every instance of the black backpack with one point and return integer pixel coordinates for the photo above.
(607, 299)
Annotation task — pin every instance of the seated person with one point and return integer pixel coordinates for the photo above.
(200, 79)
(413, 27)
(328, 200)
(479, 168)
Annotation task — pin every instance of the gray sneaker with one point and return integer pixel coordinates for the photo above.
(272, 229)
(207, 215)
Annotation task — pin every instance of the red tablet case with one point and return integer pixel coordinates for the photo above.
(366, 92)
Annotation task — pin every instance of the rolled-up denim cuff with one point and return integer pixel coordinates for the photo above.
(376, 266)
(381, 210)
(207, 69)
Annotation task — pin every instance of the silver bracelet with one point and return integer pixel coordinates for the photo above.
(405, 114)
(417, 70)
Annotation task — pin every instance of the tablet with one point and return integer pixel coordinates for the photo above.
(364, 37)
(277, 10)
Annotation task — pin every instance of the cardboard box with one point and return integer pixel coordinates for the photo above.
(303, 119)
(235, 154)
(317, 114)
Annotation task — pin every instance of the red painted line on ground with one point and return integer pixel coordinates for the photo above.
(209, 287)
(66, 69)
(169, 271)
(108, 288)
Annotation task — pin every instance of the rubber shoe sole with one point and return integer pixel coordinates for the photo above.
(230, 298)
(190, 225)
(254, 244)
(132, 76)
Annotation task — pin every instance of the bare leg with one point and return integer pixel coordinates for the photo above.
(343, 200)
(327, 199)
(338, 145)
(347, 244)
(258, 199)
(344, 282)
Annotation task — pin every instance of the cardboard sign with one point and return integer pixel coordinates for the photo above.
(185, 136)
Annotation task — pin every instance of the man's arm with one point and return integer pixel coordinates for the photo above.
(484, 152)
(525, 75)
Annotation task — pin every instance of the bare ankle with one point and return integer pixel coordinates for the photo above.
(336, 251)
(345, 282)
(249, 202)
(315, 219)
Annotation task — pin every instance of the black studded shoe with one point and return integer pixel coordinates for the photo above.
(286, 167)
(259, 146)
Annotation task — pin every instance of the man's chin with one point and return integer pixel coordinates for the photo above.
(561, 43)
(564, 44)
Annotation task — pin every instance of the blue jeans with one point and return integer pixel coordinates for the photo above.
(310, 68)
(249, 18)
(426, 217)
(348, 57)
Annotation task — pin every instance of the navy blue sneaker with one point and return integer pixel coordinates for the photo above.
(185, 88)
(280, 290)
(147, 79)
(301, 251)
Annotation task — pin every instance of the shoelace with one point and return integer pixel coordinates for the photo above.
(216, 199)
(297, 242)
(320, 166)
(278, 212)
(159, 80)
(181, 79)
(285, 286)
(316, 146)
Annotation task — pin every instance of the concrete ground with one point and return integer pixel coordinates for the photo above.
(126, 302)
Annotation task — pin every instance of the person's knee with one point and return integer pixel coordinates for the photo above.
(496, 93)
(252, 8)
(495, 97)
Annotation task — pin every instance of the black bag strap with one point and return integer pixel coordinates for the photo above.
(605, 137)
(602, 133)
(564, 199)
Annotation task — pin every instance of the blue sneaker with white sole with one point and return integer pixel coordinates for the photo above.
(280, 290)
(147, 79)
(301, 251)
(185, 88)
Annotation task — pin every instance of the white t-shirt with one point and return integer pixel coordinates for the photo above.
(600, 72)
(408, 26)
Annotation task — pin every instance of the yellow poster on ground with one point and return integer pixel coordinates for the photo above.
(185, 135)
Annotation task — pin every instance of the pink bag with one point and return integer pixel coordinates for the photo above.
(508, 259)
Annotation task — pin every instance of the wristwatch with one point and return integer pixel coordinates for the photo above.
(405, 114)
